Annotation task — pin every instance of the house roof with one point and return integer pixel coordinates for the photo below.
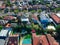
(9, 17)
(13, 39)
(55, 18)
(52, 41)
(35, 17)
(43, 40)
(3, 32)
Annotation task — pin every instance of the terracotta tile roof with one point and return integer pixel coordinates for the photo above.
(55, 18)
(9, 17)
(52, 41)
(35, 17)
(35, 40)
(43, 40)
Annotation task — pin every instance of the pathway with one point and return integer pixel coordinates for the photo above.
(21, 40)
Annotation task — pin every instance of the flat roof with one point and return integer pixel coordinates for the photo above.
(3, 32)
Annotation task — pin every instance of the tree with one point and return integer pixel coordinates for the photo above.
(1, 17)
(33, 11)
(16, 11)
(39, 10)
(58, 31)
(58, 27)
(1, 27)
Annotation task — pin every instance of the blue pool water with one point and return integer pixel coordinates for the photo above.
(27, 41)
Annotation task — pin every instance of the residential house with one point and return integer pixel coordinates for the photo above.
(9, 17)
(2, 22)
(43, 40)
(55, 18)
(13, 39)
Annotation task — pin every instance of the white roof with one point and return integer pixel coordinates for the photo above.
(58, 14)
(24, 19)
(51, 27)
(3, 32)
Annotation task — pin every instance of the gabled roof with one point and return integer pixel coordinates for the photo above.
(43, 40)
(55, 18)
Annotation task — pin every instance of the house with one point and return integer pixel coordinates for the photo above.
(2, 41)
(51, 27)
(13, 39)
(2, 22)
(5, 32)
(25, 20)
(44, 19)
(12, 1)
(34, 19)
(58, 14)
(3, 6)
(9, 17)
(55, 18)
(43, 40)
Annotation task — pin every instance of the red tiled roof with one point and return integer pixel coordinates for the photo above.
(35, 17)
(43, 40)
(55, 18)
(52, 41)
(35, 40)
(8, 17)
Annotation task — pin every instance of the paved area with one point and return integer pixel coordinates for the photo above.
(21, 40)
(2, 41)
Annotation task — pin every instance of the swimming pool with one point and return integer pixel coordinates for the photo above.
(26, 41)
